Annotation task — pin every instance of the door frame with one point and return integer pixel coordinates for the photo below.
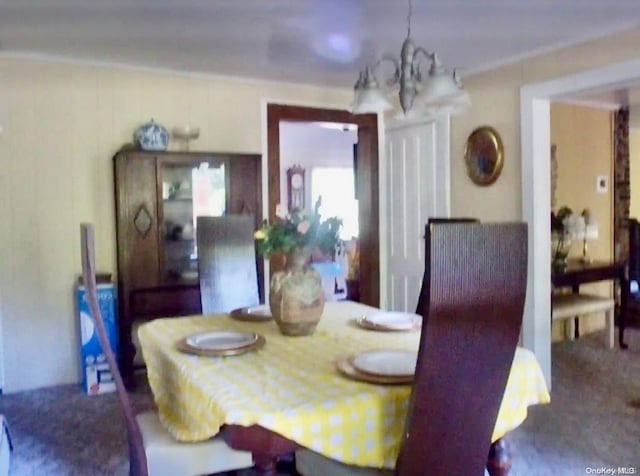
(536, 201)
(367, 180)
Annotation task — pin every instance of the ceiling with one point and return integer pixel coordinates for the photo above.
(310, 41)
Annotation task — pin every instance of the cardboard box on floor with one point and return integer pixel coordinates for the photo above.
(96, 376)
(5, 447)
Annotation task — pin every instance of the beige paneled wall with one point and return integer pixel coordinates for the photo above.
(584, 141)
(496, 102)
(634, 172)
(62, 124)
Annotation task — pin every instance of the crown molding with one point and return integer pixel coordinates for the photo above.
(58, 59)
(595, 35)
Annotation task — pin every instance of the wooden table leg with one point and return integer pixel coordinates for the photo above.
(264, 464)
(266, 446)
(622, 314)
(576, 321)
(499, 460)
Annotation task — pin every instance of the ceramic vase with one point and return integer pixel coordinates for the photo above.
(152, 136)
(296, 297)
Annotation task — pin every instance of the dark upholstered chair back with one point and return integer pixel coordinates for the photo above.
(476, 292)
(227, 263)
(634, 250)
(137, 456)
(423, 298)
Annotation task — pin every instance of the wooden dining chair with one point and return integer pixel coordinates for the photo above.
(152, 451)
(631, 311)
(477, 286)
(227, 263)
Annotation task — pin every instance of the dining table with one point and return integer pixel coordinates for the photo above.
(289, 393)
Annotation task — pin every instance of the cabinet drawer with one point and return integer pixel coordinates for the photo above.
(165, 302)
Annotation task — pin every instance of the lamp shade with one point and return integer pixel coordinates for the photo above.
(440, 89)
(367, 100)
(590, 225)
(590, 228)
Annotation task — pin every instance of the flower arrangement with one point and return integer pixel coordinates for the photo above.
(561, 235)
(559, 221)
(298, 230)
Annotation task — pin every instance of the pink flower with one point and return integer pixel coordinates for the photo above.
(303, 227)
(281, 211)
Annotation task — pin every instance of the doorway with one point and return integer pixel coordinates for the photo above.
(535, 148)
(367, 182)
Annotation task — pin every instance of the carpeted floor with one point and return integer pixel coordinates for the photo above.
(592, 422)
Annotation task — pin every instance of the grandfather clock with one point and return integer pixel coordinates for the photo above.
(295, 187)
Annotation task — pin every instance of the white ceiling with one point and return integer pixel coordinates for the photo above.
(312, 41)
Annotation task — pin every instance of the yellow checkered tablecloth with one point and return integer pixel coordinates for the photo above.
(291, 386)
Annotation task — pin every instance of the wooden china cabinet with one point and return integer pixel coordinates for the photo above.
(158, 196)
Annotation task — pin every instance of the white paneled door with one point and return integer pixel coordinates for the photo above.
(417, 176)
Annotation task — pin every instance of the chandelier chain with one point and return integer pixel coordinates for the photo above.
(409, 18)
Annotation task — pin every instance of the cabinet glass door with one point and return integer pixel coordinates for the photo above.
(188, 191)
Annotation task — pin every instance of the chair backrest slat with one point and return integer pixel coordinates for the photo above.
(227, 263)
(137, 456)
(423, 297)
(476, 292)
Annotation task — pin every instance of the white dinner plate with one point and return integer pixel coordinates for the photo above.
(258, 313)
(394, 320)
(221, 340)
(346, 368)
(263, 310)
(387, 362)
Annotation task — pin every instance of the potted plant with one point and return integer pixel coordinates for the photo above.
(296, 297)
(560, 237)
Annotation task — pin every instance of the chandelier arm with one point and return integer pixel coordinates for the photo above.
(391, 58)
(396, 65)
(386, 57)
(428, 54)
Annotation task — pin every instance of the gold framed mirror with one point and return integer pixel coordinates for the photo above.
(484, 155)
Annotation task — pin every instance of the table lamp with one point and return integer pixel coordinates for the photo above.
(586, 229)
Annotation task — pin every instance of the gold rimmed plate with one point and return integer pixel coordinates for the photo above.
(346, 368)
(394, 320)
(220, 343)
(386, 363)
(390, 323)
(365, 324)
(260, 313)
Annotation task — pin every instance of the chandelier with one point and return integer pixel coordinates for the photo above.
(439, 92)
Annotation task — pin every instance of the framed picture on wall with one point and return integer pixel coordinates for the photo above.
(484, 154)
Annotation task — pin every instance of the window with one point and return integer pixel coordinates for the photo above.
(336, 186)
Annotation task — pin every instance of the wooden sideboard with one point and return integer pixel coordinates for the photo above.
(157, 197)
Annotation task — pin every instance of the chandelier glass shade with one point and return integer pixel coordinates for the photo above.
(437, 92)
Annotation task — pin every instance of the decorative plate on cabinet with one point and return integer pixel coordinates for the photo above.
(152, 136)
